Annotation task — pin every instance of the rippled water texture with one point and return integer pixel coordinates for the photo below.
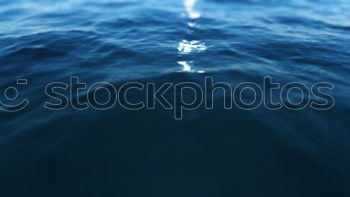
(147, 153)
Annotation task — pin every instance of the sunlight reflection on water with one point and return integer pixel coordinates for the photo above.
(186, 47)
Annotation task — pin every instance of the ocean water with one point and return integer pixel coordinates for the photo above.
(217, 152)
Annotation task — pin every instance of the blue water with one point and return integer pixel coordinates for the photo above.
(147, 152)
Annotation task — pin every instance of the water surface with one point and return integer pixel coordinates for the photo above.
(148, 153)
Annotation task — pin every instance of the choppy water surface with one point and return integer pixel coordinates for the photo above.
(148, 153)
